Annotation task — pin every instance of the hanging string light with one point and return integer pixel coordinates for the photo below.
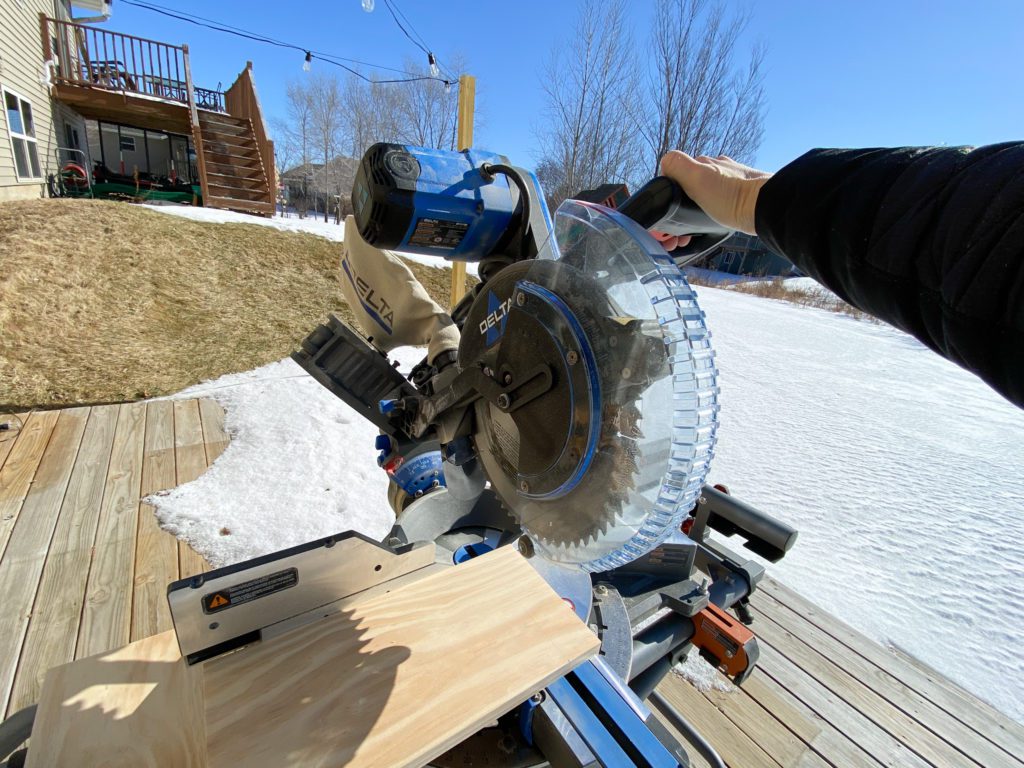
(308, 63)
(368, 6)
(434, 71)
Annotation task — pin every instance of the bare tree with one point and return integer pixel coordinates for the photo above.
(589, 89)
(429, 108)
(602, 125)
(698, 100)
(327, 115)
(297, 136)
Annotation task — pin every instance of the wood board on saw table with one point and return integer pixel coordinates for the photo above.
(395, 679)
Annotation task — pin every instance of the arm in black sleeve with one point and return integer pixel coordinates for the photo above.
(930, 240)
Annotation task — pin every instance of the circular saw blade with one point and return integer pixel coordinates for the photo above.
(604, 464)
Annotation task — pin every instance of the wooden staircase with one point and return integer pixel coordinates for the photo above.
(235, 176)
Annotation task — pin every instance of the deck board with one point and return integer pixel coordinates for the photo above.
(53, 627)
(22, 562)
(156, 553)
(84, 568)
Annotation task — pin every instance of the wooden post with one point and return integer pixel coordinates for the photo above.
(197, 133)
(464, 140)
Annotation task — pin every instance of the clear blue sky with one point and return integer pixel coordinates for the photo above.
(840, 73)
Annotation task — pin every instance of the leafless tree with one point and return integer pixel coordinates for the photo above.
(698, 99)
(295, 134)
(589, 88)
(610, 117)
(327, 115)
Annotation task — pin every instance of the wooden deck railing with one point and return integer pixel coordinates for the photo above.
(97, 58)
(241, 101)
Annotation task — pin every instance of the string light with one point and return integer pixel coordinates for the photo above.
(368, 6)
(434, 71)
(308, 63)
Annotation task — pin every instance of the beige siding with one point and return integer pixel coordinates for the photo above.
(21, 70)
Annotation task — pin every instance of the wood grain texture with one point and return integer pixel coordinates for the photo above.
(106, 615)
(189, 463)
(53, 629)
(734, 746)
(22, 564)
(20, 467)
(215, 436)
(985, 722)
(156, 553)
(140, 705)
(399, 678)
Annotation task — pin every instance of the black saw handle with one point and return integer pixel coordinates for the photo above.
(662, 204)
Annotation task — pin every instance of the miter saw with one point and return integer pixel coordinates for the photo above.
(567, 406)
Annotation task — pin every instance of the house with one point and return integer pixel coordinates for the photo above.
(748, 255)
(319, 186)
(120, 112)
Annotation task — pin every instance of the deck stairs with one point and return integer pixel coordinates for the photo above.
(236, 178)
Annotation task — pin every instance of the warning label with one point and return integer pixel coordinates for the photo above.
(250, 590)
(438, 233)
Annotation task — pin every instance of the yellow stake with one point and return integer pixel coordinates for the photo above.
(467, 97)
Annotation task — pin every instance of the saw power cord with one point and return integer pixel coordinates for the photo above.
(686, 728)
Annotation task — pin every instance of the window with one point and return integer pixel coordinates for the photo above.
(22, 127)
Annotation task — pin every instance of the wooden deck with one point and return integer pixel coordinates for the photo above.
(84, 568)
(83, 565)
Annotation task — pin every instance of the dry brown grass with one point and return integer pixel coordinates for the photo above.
(105, 302)
(779, 289)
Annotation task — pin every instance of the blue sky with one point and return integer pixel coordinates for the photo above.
(840, 73)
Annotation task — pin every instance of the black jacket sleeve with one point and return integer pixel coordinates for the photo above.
(930, 240)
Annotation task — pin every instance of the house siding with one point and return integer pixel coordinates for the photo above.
(21, 70)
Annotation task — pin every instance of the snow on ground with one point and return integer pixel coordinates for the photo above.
(300, 465)
(290, 223)
(902, 473)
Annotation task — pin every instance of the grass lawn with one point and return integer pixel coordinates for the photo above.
(107, 302)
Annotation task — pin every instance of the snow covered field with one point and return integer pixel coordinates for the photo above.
(902, 473)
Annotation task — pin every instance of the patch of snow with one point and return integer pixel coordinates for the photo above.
(901, 471)
(288, 223)
(701, 675)
(300, 465)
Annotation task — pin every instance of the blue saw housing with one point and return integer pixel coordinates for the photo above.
(432, 202)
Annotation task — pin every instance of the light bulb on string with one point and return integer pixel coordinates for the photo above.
(447, 86)
(368, 6)
(308, 63)
(434, 71)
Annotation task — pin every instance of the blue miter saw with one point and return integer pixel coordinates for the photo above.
(573, 416)
(567, 406)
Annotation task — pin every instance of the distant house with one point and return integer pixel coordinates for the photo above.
(320, 186)
(745, 254)
(122, 111)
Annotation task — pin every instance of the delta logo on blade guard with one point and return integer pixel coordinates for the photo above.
(497, 315)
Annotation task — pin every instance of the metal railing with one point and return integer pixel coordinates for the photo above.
(86, 56)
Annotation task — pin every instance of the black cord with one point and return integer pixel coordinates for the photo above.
(217, 26)
(488, 170)
(421, 44)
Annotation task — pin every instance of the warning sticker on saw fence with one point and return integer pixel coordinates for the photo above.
(250, 590)
(438, 233)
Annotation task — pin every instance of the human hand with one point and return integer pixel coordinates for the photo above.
(726, 190)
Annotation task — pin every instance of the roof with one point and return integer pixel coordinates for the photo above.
(301, 170)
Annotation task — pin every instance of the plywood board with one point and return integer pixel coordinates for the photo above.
(395, 679)
(140, 705)
(400, 678)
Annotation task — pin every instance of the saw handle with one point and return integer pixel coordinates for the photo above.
(661, 204)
